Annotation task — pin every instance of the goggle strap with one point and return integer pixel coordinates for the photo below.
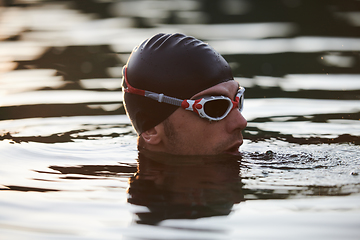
(173, 101)
(163, 98)
(129, 88)
(155, 96)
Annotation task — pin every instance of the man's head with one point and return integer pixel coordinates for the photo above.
(181, 67)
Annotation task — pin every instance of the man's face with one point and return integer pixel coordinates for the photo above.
(188, 134)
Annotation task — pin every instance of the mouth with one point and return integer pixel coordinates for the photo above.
(234, 149)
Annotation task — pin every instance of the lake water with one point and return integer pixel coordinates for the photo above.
(70, 168)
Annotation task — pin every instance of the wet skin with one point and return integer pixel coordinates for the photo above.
(192, 135)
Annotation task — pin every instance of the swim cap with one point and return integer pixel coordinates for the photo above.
(173, 64)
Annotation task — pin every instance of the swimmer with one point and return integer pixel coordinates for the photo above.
(181, 97)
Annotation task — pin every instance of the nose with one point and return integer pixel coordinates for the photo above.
(235, 121)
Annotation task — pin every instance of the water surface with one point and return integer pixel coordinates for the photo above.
(70, 168)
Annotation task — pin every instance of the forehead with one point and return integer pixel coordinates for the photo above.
(228, 89)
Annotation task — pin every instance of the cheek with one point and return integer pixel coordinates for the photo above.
(203, 131)
(189, 126)
(193, 129)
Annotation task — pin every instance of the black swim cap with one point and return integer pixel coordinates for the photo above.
(173, 64)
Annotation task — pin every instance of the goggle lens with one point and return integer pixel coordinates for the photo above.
(241, 103)
(216, 108)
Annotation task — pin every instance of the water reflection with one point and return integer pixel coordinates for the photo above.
(178, 187)
(75, 62)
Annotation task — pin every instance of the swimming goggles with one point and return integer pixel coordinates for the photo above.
(213, 108)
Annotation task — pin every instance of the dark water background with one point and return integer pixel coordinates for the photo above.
(70, 168)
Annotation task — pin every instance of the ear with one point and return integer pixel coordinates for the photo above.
(152, 136)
